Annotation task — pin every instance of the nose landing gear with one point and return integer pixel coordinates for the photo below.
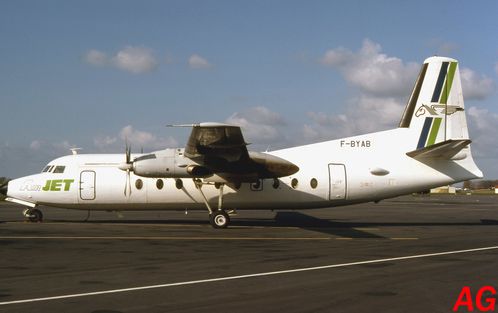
(33, 215)
(217, 218)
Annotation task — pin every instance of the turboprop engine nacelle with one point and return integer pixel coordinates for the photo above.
(272, 166)
(169, 163)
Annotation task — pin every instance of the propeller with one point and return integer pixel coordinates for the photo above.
(127, 166)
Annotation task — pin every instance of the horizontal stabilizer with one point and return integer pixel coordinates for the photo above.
(442, 150)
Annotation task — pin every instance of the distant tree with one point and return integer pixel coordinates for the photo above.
(3, 180)
(483, 184)
(467, 184)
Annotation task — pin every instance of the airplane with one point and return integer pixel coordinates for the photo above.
(215, 171)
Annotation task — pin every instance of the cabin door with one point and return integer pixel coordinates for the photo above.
(87, 185)
(337, 180)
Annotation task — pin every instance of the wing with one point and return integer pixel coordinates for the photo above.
(222, 150)
(216, 140)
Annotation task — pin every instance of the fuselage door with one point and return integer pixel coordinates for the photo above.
(337, 179)
(87, 185)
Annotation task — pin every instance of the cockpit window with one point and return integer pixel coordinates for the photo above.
(59, 169)
(46, 169)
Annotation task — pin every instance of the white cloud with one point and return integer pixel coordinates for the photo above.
(59, 148)
(475, 86)
(482, 127)
(136, 138)
(372, 71)
(135, 59)
(259, 125)
(384, 84)
(365, 114)
(132, 59)
(35, 145)
(97, 58)
(20, 159)
(337, 57)
(63, 146)
(197, 62)
(103, 142)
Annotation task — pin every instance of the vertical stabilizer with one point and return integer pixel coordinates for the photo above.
(436, 109)
(435, 115)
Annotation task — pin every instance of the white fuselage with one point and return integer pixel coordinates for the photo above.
(351, 170)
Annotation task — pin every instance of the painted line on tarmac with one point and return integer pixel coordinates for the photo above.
(189, 238)
(227, 278)
(157, 238)
(404, 238)
(106, 223)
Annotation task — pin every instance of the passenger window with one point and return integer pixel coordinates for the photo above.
(59, 169)
(313, 183)
(179, 184)
(276, 183)
(294, 183)
(139, 184)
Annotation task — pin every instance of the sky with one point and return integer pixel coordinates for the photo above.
(91, 74)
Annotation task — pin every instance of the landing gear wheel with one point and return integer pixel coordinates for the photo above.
(34, 215)
(219, 219)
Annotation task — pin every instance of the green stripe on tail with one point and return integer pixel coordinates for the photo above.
(448, 83)
(434, 130)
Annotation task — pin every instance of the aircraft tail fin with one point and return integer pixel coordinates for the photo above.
(436, 107)
(435, 114)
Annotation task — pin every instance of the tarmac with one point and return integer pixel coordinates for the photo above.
(408, 254)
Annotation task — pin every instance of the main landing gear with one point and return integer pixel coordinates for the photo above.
(217, 218)
(33, 215)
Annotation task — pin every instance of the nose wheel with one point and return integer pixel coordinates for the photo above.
(219, 219)
(33, 215)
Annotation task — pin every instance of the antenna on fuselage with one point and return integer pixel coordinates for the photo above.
(75, 150)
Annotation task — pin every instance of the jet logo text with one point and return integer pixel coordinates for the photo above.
(57, 184)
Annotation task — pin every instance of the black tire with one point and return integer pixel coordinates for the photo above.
(219, 219)
(35, 216)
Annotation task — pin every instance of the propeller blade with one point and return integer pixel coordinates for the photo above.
(128, 152)
(127, 166)
(129, 183)
(126, 183)
(127, 188)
